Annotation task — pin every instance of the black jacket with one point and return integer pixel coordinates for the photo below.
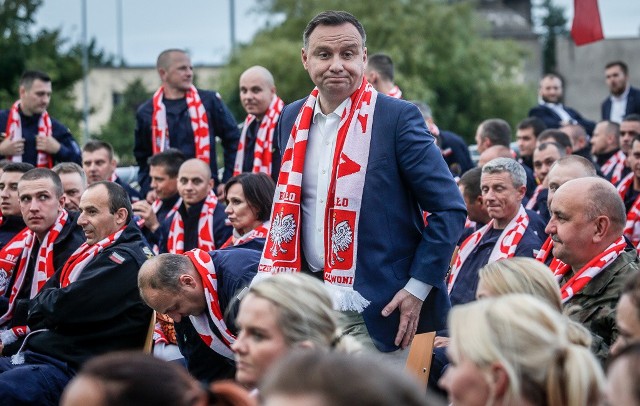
(100, 312)
(235, 269)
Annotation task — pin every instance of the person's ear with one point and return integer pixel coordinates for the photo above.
(499, 381)
(187, 280)
(602, 225)
(121, 216)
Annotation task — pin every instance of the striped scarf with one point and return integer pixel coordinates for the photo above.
(632, 226)
(175, 242)
(545, 250)
(259, 232)
(207, 271)
(505, 246)
(395, 92)
(199, 124)
(531, 204)
(262, 154)
(156, 206)
(614, 167)
(592, 269)
(9, 255)
(14, 132)
(342, 211)
(82, 256)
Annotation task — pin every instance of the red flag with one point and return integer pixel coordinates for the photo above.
(586, 27)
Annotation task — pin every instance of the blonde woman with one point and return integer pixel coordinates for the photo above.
(515, 350)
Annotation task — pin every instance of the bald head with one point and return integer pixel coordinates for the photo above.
(165, 58)
(257, 90)
(491, 153)
(568, 168)
(162, 272)
(600, 198)
(194, 181)
(260, 72)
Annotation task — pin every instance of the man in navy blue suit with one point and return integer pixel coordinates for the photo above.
(358, 168)
(552, 111)
(624, 99)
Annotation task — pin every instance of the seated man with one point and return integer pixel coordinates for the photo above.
(527, 133)
(628, 314)
(53, 236)
(477, 214)
(592, 257)
(629, 190)
(163, 172)
(580, 142)
(605, 147)
(509, 233)
(90, 307)
(199, 222)
(544, 156)
(74, 183)
(13, 230)
(201, 292)
(99, 164)
(565, 169)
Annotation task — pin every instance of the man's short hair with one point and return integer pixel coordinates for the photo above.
(28, 77)
(631, 117)
(95, 145)
(471, 182)
(332, 18)
(587, 165)
(164, 58)
(45, 173)
(552, 75)
(18, 167)
(70, 167)
(500, 165)
(623, 66)
(382, 64)
(167, 270)
(118, 197)
(611, 127)
(602, 199)
(497, 131)
(534, 123)
(561, 150)
(169, 159)
(557, 136)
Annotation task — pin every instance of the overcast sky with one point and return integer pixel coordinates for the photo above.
(202, 26)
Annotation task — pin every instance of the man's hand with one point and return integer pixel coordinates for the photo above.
(220, 192)
(151, 196)
(441, 342)
(47, 144)
(409, 307)
(145, 211)
(9, 147)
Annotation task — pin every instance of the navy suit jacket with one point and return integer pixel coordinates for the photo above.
(633, 104)
(553, 120)
(406, 172)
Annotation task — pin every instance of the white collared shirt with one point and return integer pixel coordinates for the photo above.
(558, 108)
(619, 106)
(318, 163)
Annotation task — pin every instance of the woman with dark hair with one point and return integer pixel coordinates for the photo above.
(249, 197)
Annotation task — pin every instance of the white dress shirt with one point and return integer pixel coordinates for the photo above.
(619, 106)
(318, 164)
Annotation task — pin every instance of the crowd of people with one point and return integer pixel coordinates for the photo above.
(343, 225)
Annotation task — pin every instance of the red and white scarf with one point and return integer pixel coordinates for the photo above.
(632, 226)
(207, 271)
(262, 231)
(9, 255)
(199, 124)
(14, 132)
(82, 256)
(262, 154)
(43, 268)
(545, 250)
(395, 92)
(534, 198)
(206, 241)
(592, 269)
(504, 248)
(342, 211)
(614, 166)
(156, 206)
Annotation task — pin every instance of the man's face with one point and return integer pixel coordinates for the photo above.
(164, 185)
(500, 197)
(10, 203)
(73, 188)
(616, 80)
(561, 174)
(97, 165)
(193, 184)
(600, 139)
(179, 74)
(95, 218)
(526, 140)
(543, 160)
(482, 144)
(551, 90)
(335, 60)
(570, 228)
(35, 100)
(39, 204)
(628, 131)
(475, 208)
(633, 159)
(188, 301)
(256, 93)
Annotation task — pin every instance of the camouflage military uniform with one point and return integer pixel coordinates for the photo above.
(595, 305)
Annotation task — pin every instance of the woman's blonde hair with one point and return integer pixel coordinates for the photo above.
(527, 275)
(305, 310)
(530, 340)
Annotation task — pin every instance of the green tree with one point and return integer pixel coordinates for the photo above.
(554, 24)
(118, 131)
(442, 54)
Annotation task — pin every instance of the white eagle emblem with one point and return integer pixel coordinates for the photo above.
(4, 280)
(282, 231)
(341, 239)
